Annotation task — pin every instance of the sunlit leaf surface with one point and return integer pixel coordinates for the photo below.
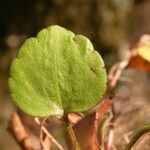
(57, 72)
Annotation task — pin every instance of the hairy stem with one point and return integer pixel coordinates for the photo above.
(137, 135)
(71, 133)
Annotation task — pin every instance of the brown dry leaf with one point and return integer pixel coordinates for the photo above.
(18, 131)
(139, 59)
(46, 143)
(86, 129)
(75, 117)
(137, 62)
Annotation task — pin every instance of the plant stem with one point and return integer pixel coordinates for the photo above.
(71, 133)
(137, 135)
(48, 134)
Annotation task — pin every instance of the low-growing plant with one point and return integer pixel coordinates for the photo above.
(57, 73)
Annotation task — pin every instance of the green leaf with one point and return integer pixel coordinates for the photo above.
(56, 73)
(144, 51)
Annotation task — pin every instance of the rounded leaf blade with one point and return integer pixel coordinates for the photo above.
(57, 72)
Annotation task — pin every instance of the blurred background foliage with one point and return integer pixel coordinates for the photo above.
(111, 25)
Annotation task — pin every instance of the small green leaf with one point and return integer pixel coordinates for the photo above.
(56, 73)
(144, 51)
